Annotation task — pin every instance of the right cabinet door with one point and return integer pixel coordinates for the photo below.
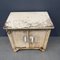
(37, 38)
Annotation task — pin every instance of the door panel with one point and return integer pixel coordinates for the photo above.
(39, 37)
(19, 38)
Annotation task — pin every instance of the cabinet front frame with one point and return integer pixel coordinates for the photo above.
(29, 45)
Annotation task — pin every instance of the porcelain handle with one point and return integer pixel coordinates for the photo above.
(31, 39)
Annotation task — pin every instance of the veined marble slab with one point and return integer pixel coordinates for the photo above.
(19, 20)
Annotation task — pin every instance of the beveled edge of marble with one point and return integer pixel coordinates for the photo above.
(9, 28)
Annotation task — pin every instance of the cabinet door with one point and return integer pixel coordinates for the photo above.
(19, 38)
(38, 37)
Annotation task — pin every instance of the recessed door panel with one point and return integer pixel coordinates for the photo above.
(19, 38)
(39, 37)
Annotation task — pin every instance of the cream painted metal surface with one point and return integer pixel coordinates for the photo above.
(28, 30)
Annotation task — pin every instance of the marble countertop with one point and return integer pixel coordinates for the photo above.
(28, 20)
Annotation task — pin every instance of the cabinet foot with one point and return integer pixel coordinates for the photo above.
(16, 49)
(42, 49)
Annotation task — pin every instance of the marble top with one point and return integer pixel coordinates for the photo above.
(20, 20)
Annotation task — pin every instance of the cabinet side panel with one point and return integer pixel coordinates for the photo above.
(10, 36)
(46, 39)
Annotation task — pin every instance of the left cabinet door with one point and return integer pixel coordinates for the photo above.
(20, 38)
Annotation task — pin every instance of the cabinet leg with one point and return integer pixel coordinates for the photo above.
(42, 49)
(15, 49)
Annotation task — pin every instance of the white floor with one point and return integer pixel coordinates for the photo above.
(52, 52)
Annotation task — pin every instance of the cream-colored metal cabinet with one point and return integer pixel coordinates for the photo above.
(28, 30)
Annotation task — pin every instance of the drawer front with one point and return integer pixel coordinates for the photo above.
(19, 38)
(38, 38)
